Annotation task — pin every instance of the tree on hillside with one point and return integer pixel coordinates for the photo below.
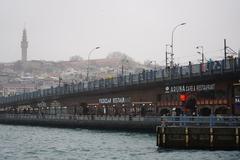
(75, 58)
(119, 55)
(147, 62)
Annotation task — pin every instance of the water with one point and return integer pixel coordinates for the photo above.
(39, 143)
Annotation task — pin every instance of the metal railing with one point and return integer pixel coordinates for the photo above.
(67, 117)
(161, 120)
(200, 121)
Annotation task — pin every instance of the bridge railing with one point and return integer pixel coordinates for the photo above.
(162, 120)
(67, 117)
(200, 121)
(146, 76)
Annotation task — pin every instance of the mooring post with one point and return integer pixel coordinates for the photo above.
(237, 136)
(211, 137)
(163, 136)
(186, 137)
(158, 136)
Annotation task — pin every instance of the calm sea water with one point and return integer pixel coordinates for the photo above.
(39, 143)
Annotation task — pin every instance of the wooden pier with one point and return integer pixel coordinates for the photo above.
(199, 135)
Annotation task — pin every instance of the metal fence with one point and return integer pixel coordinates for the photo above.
(161, 120)
(200, 121)
(68, 117)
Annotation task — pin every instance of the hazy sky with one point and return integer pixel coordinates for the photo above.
(58, 29)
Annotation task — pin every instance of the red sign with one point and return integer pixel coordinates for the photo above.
(183, 97)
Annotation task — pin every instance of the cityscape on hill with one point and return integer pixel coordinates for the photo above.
(30, 75)
(18, 77)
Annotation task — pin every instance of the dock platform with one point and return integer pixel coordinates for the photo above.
(203, 133)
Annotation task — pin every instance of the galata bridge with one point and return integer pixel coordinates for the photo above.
(211, 88)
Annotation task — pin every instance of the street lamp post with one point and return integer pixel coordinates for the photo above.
(202, 53)
(124, 61)
(171, 62)
(59, 81)
(167, 53)
(88, 60)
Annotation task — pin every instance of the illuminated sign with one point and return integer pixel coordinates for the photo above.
(189, 88)
(105, 100)
(119, 100)
(114, 100)
(237, 99)
(183, 97)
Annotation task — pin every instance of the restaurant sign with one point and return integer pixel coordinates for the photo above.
(237, 99)
(114, 100)
(189, 88)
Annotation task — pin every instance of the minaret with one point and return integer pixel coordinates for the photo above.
(24, 46)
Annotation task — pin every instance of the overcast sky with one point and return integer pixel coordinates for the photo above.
(58, 29)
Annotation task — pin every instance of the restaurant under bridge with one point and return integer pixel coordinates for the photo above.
(211, 88)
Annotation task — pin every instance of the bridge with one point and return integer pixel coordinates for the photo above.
(151, 92)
